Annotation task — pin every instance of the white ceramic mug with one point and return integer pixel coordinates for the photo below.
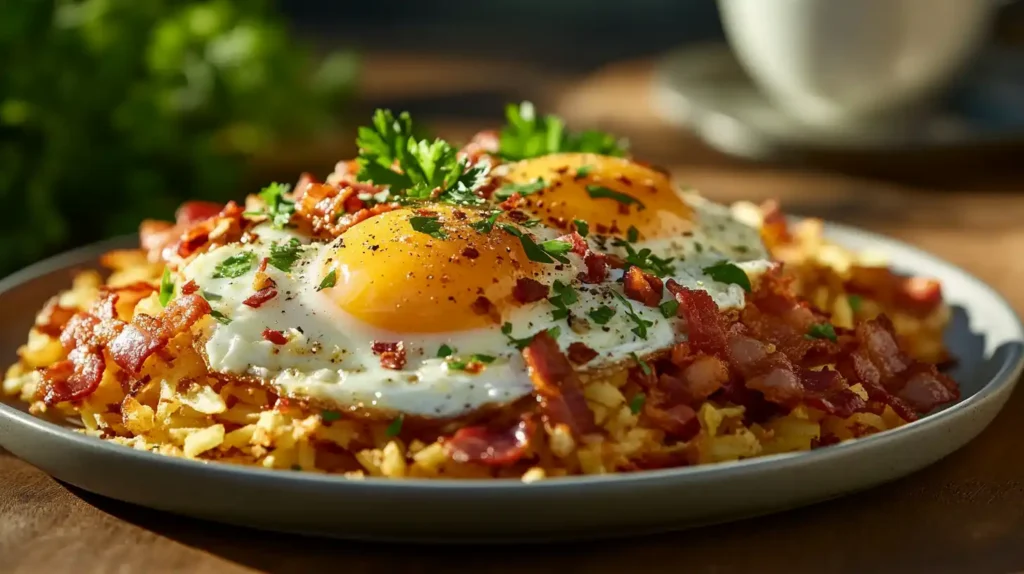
(840, 61)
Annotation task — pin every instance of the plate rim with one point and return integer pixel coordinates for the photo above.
(1007, 375)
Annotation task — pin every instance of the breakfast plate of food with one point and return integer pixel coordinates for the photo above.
(533, 336)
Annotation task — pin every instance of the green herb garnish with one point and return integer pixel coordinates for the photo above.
(395, 427)
(444, 351)
(601, 315)
(166, 287)
(536, 252)
(506, 191)
(644, 367)
(520, 344)
(458, 364)
(220, 317)
(429, 225)
(636, 404)
(235, 266)
(328, 416)
(564, 295)
(601, 192)
(725, 272)
(581, 227)
(211, 296)
(283, 255)
(855, 302)
(583, 171)
(641, 324)
(527, 135)
(329, 280)
(632, 234)
(669, 308)
(646, 260)
(279, 209)
(486, 225)
(822, 331)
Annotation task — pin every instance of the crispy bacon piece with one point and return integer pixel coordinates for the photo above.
(514, 201)
(274, 336)
(529, 290)
(678, 421)
(597, 268)
(189, 288)
(918, 296)
(700, 376)
(195, 211)
(305, 180)
(642, 287)
(392, 355)
(557, 386)
(52, 319)
(774, 229)
(483, 306)
(580, 353)
(257, 299)
(493, 447)
(75, 377)
(146, 335)
(703, 325)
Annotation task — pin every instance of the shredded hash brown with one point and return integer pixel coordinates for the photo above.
(747, 383)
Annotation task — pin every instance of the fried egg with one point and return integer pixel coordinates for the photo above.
(439, 281)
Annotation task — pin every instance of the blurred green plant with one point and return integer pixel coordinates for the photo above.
(116, 110)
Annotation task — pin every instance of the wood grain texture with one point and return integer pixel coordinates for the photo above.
(965, 513)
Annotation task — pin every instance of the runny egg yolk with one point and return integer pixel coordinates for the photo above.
(611, 194)
(404, 279)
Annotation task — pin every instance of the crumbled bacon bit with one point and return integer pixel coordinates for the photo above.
(703, 324)
(189, 288)
(517, 216)
(305, 180)
(597, 268)
(483, 306)
(392, 355)
(195, 211)
(257, 299)
(580, 353)
(470, 252)
(678, 421)
(146, 334)
(642, 287)
(52, 319)
(274, 336)
(558, 388)
(529, 290)
(494, 447)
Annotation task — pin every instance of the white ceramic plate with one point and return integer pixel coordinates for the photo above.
(986, 337)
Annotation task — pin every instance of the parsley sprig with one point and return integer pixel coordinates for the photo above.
(564, 295)
(601, 192)
(822, 331)
(283, 255)
(390, 155)
(528, 135)
(486, 225)
(640, 330)
(647, 260)
(547, 252)
(235, 266)
(520, 344)
(506, 191)
(429, 225)
(725, 272)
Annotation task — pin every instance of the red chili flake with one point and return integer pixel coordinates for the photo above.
(625, 180)
(514, 201)
(579, 353)
(460, 215)
(426, 213)
(483, 306)
(470, 253)
(257, 299)
(517, 216)
(275, 337)
(189, 288)
(529, 290)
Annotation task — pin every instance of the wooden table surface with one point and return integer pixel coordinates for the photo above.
(965, 513)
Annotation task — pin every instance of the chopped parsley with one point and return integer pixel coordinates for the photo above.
(822, 331)
(283, 255)
(581, 227)
(564, 295)
(235, 266)
(854, 301)
(395, 427)
(220, 317)
(211, 296)
(725, 272)
(601, 192)
(644, 367)
(636, 404)
(444, 351)
(647, 260)
(279, 209)
(583, 171)
(601, 315)
(669, 308)
(328, 416)
(520, 344)
(530, 223)
(548, 252)
(329, 280)
(632, 234)
(166, 287)
(458, 364)
(528, 135)
(429, 225)
(641, 324)
(486, 225)
(506, 191)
